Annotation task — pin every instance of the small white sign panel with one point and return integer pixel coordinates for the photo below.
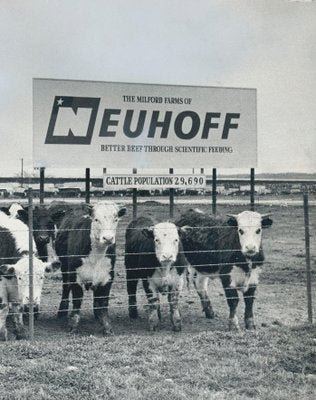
(119, 182)
(127, 125)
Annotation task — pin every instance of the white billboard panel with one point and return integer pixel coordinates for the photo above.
(127, 125)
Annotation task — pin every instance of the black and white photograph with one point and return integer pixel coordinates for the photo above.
(157, 199)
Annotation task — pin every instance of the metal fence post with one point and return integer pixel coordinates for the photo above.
(171, 198)
(87, 185)
(308, 260)
(134, 197)
(214, 191)
(31, 287)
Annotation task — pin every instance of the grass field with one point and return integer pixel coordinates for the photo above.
(204, 361)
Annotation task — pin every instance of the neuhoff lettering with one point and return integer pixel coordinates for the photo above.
(73, 119)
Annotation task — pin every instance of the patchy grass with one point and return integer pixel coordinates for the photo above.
(204, 361)
(274, 364)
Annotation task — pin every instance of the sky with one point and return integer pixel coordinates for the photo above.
(269, 45)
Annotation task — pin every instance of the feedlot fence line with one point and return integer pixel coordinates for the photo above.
(121, 254)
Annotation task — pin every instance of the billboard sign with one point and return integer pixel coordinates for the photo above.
(119, 182)
(128, 125)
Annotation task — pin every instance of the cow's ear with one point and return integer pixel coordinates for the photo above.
(88, 208)
(23, 215)
(7, 271)
(232, 220)
(5, 210)
(52, 266)
(149, 232)
(122, 211)
(185, 229)
(266, 221)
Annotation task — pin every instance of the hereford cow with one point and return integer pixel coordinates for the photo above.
(85, 245)
(43, 224)
(153, 253)
(232, 248)
(14, 274)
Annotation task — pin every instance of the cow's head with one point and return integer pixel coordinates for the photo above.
(166, 239)
(249, 225)
(105, 217)
(43, 224)
(165, 236)
(18, 279)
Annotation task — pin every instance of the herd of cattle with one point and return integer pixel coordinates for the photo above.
(161, 255)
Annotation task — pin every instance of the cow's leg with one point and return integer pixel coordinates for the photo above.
(17, 313)
(64, 304)
(131, 291)
(100, 304)
(249, 297)
(153, 306)
(4, 309)
(201, 286)
(173, 299)
(77, 295)
(232, 300)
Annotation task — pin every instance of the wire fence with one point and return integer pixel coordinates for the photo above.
(53, 281)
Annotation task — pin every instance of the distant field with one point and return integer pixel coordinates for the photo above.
(205, 360)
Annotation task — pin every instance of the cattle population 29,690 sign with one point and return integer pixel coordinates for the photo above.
(128, 125)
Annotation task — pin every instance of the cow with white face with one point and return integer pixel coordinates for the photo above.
(85, 245)
(153, 253)
(14, 274)
(232, 248)
(250, 226)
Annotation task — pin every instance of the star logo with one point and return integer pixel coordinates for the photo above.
(72, 120)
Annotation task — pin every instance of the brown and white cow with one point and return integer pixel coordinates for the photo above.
(232, 248)
(85, 245)
(153, 254)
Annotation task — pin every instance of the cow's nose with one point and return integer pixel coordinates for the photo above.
(108, 239)
(251, 249)
(167, 257)
(43, 239)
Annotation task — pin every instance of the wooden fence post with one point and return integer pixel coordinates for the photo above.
(31, 270)
(308, 260)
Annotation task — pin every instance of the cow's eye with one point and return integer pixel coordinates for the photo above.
(157, 240)
(96, 220)
(116, 219)
(258, 231)
(176, 240)
(241, 231)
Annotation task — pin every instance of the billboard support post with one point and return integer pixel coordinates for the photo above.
(171, 198)
(134, 197)
(252, 189)
(214, 190)
(42, 181)
(87, 185)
